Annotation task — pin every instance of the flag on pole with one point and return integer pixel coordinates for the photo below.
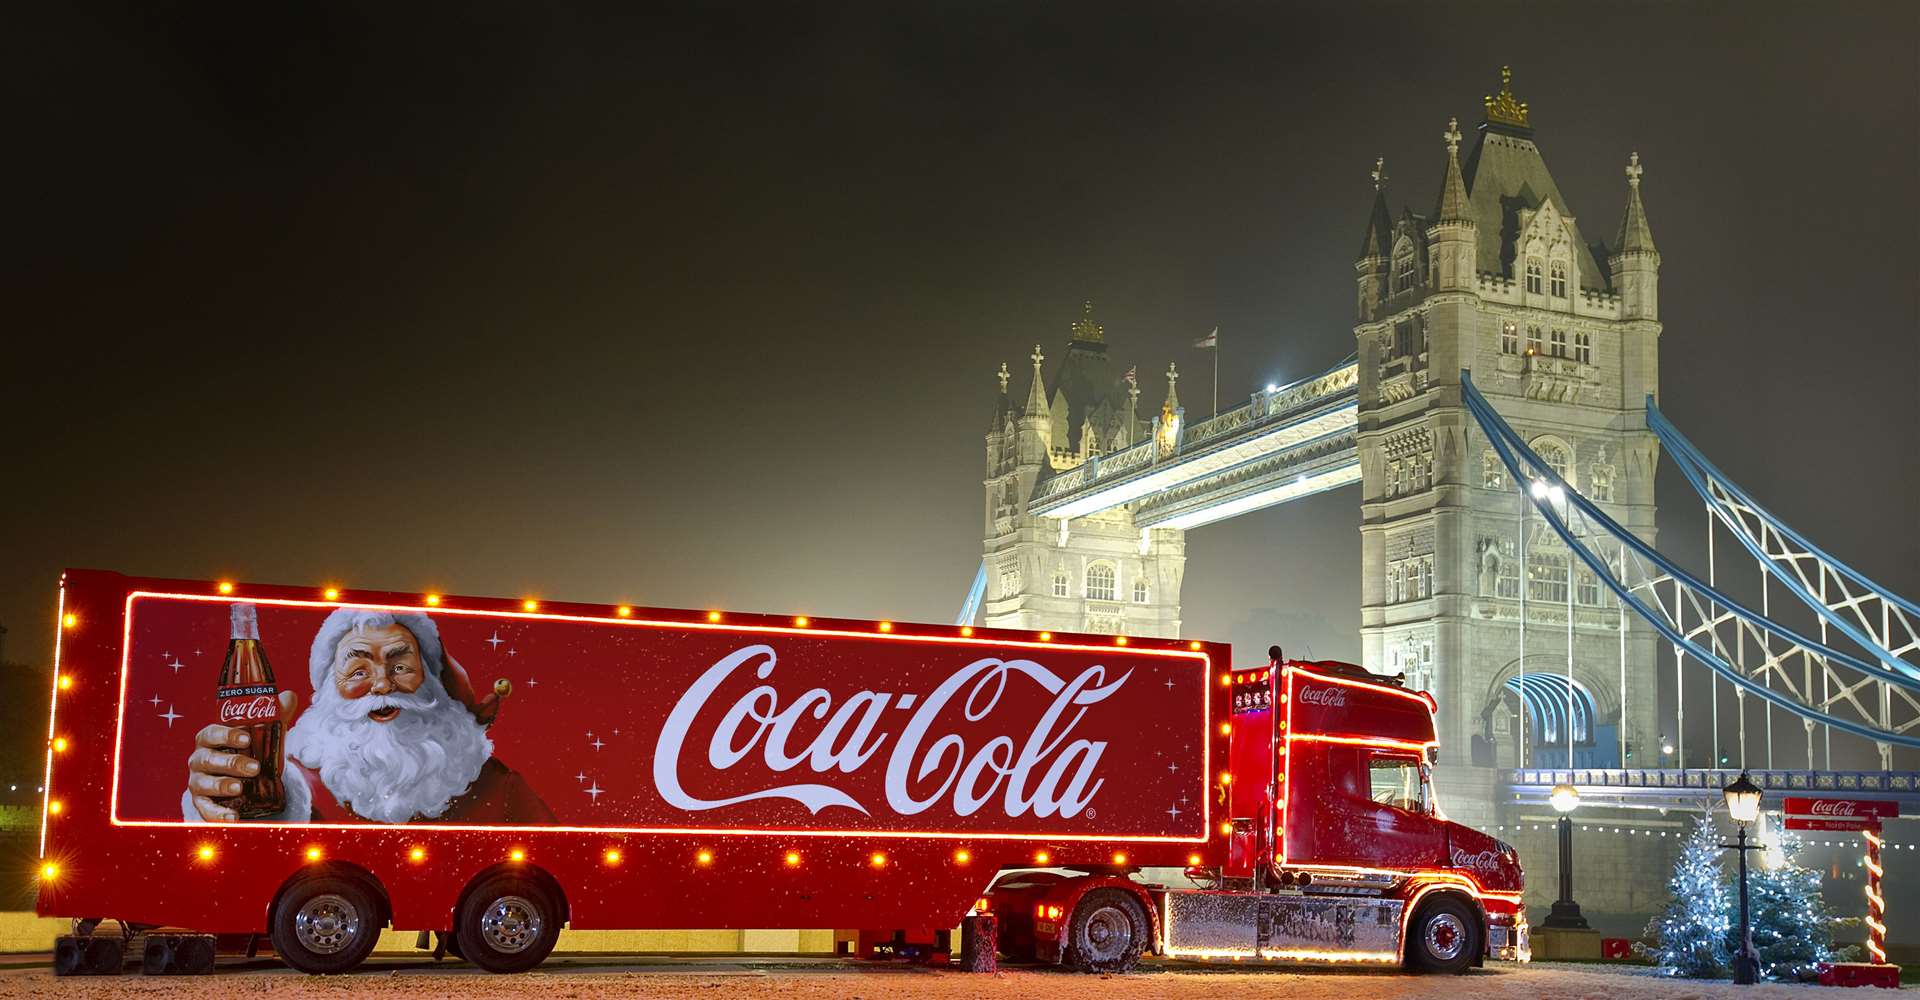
(1210, 340)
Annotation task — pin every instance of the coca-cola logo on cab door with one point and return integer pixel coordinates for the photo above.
(1485, 860)
(1042, 772)
(1325, 697)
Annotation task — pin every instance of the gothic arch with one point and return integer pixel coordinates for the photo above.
(1601, 684)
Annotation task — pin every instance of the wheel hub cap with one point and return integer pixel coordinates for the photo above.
(326, 924)
(512, 924)
(1109, 932)
(1445, 937)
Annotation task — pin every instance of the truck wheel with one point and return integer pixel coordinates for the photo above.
(1444, 937)
(325, 925)
(1108, 932)
(508, 924)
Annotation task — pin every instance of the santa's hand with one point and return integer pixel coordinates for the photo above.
(220, 760)
(459, 684)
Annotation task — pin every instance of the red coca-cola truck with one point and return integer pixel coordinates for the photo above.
(302, 767)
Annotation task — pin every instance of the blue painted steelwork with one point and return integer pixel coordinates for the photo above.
(1710, 605)
(1546, 698)
(1772, 542)
(971, 608)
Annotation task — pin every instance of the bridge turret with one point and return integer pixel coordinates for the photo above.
(1376, 248)
(1634, 263)
(1034, 435)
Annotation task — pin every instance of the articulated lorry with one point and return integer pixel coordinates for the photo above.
(239, 766)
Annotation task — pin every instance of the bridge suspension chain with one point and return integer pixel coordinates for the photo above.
(1758, 656)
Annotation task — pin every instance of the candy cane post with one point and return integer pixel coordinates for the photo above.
(1876, 903)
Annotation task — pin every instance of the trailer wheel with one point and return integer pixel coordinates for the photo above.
(325, 925)
(1443, 937)
(508, 924)
(1108, 932)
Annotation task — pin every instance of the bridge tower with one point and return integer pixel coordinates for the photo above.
(1562, 334)
(1097, 573)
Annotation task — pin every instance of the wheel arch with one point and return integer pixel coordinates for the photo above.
(540, 876)
(1425, 896)
(1068, 892)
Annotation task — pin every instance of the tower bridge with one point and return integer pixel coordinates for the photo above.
(1498, 417)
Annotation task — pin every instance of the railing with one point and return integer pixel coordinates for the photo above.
(1534, 783)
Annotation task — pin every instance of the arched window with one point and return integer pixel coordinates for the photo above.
(1493, 473)
(1586, 587)
(1100, 582)
(1060, 583)
(1555, 454)
(1533, 339)
(1583, 347)
(1559, 343)
(1509, 338)
(1533, 275)
(1559, 276)
(1394, 577)
(1405, 274)
(1140, 590)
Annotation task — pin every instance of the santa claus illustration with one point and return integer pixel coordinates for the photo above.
(394, 735)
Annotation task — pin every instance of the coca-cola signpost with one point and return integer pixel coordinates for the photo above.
(1865, 817)
(424, 757)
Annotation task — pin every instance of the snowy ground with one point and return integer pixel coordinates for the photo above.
(787, 979)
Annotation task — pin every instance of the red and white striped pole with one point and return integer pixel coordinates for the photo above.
(1876, 903)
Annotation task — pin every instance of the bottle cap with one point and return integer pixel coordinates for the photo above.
(246, 622)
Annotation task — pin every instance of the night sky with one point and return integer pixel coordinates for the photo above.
(702, 307)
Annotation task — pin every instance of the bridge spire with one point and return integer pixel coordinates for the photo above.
(1037, 393)
(1453, 190)
(1635, 235)
(1173, 394)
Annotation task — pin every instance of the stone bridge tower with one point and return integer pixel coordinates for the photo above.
(1098, 573)
(1562, 335)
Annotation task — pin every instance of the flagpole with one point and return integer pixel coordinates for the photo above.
(1216, 371)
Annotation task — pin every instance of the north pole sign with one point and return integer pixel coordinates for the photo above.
(1837, 814)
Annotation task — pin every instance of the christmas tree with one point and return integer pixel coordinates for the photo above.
(1692, 934)
(1792, 929)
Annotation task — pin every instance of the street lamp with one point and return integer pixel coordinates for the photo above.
(1743, 804)
(1565, 913)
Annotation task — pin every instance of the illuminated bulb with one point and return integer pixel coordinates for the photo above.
(49, 870)
(793, 859)
(313, 854)
(1119, 857)
(529, 605)
(623, 611)
(613, 856)
(1193, 861)
(962, 856)
(333, 593)
(878, 860)
(1226, 728)
(70, 620)
(66, 683)
(60, 744)
(417, 855)
(433, 600)
(802, 621)
(1046, 637)
(1193, 645)
(886, 626)
(966, 630)
(1042, 857)
(713, 616)
(1226, 827)
(225, 587)
(205, 852)
(703, 858)
(54, 807)
(1226, 778)
(1539, 489)
(1226, 680)
(516, 855)
(1119, 640)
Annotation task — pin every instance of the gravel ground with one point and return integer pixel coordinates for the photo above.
(597, 976)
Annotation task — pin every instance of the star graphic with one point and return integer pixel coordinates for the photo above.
(495, 641)
(595, 790)
(616, 732)
(164, 657)
(154, 701)
(1174, 812)
(1169, 683)
(1172, 767)
(532, 683)
(176, 665)
(512, 651)
(582, 776)
(170, 715)
(597, 744)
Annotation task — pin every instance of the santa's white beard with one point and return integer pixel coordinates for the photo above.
(391, 771)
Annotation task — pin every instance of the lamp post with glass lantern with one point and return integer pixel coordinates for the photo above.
(1743, 804)
(1565, 913)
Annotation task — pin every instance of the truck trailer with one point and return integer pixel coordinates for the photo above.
(243, 765)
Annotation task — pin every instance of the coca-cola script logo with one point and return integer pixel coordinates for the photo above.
(1831, 807)
(1044, 773)
(1484, 861)
(1325, 697)
(241, 710)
